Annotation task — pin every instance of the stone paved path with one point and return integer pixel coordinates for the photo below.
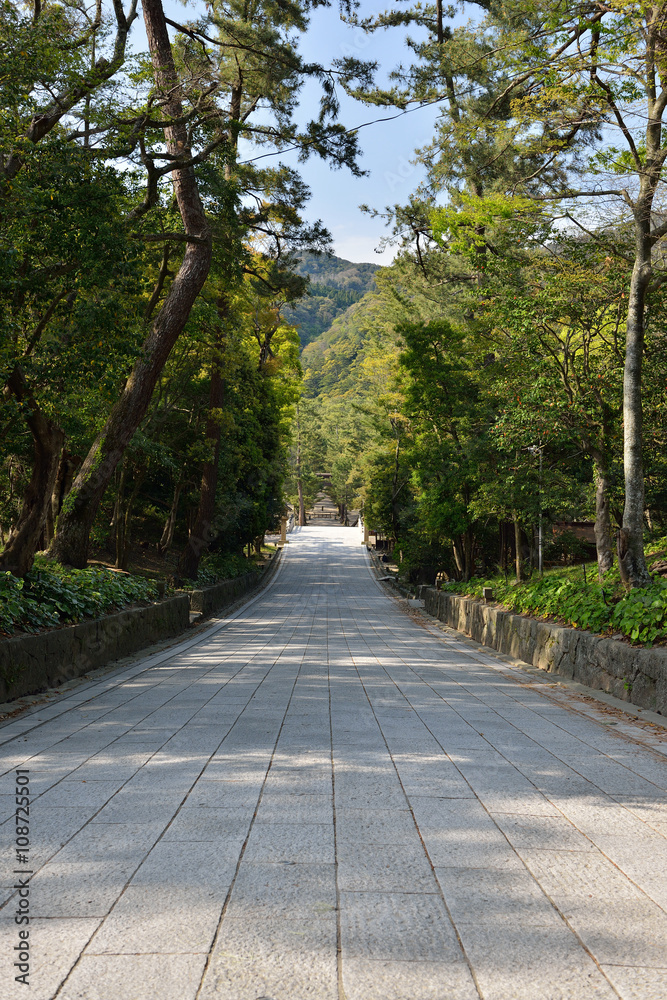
(326, 799)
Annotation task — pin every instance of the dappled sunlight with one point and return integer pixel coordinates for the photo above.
(351, 795)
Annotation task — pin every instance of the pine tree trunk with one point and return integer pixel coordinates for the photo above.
(299, 481)
(119, 520)
(394, 487)
(70, 544)
(457, 548)
(48, 440)
(502, 562)
(202, 531)
(468, 539)
(302, 505)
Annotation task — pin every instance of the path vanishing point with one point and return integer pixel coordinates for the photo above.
(324, 797)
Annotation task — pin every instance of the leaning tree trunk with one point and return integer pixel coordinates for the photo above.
(631, 560)
(459, 560)
(48, 440)
(203, 531)
(70, 544)
(603, 543)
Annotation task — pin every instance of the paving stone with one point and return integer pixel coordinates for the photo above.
(375, 826)
(150, 919)
(235, 730)
(135, 806)
(389, 980)
(54, 945)
(283, 890)
(145, 977)
(495, 897)
(236, 973)
(397, 927)
(80, 793)
(80, 889)
(296, 934)
(125, 843)
(278, 806)
(108, 766)
(188, 864)
(223, 794)
(431, 776)
(459, 833)
(542, 832)
(7, 807)
(366, 792)
(615, 920)
(520, 962)
(295, 843)
(384, 868)
(196, 824)
(636, 983)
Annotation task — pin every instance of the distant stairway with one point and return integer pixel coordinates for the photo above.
(324, 510)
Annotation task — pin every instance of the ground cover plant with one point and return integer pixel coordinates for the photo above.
(216, 568)
(52, 595)
(573, 596)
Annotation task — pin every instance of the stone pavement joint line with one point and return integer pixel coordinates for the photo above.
(326, 799)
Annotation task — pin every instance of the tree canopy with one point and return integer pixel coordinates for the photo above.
(182, 356)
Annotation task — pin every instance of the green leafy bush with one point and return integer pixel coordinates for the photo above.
(640, 614)
(215, 568)
(52, 595)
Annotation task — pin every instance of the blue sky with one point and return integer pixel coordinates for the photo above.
(387, 146)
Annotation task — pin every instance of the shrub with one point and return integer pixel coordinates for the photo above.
(640, 615)
(215, 568)
(52, 595)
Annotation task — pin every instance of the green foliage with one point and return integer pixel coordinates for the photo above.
(335, 285)
(640, 614)
(566, 546)
(92, 240)
(215, 568)
(52, 595)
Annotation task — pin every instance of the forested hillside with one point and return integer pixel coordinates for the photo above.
(334, 285)
(466, 431)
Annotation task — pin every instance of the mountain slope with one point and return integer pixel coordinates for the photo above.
(335, 285)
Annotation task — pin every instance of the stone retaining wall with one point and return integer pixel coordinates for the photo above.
(210, 599)
(627, 672)
(31, 663)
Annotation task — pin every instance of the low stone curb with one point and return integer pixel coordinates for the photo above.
(632, 674)
(210, 599)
